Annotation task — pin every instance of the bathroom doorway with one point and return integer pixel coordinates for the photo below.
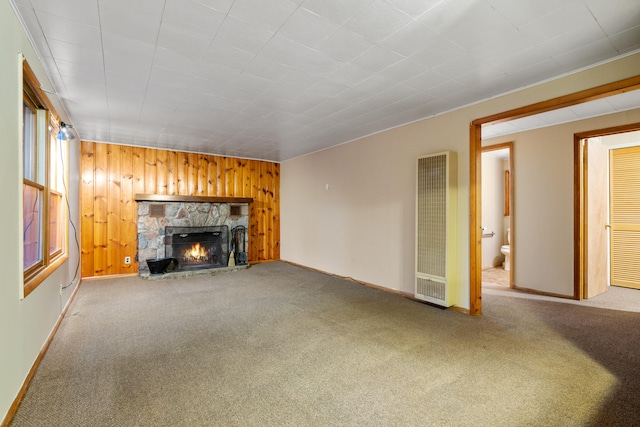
(497, 216)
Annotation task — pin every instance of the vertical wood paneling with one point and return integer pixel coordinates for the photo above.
(150, 171)
(192, 177)
(212, 173)
(229, 176)
(100, 238)
(172, 178)
(220, 180)
(203, 170)
(138, 170)
(113, 209)
(275, 203)
(253, 209)
(112, 175)
(87, 166)
(161, 171)
(129, 217)
(183, 168)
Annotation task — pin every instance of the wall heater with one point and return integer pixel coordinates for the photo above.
(436, 222)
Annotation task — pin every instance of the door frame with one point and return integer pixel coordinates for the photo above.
(475, 179)
(509, 146)
(580, 190)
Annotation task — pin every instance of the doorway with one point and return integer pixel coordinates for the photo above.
(475, 173)
(497, 215)
(609, 209)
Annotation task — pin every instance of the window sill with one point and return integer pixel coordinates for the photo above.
(34, 281)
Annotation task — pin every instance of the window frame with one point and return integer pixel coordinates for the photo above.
(35, 98)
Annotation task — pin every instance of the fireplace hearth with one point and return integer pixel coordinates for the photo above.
(198, 247)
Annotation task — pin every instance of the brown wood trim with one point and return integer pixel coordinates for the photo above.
(200, 199)
(578, 220)
(27, 381)
(598, 92)
(110, 276)
(29, 77)
(34, 281)
(475, 171)
(475, 220)
(542, 293)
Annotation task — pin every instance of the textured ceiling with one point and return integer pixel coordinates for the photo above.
(276, 79)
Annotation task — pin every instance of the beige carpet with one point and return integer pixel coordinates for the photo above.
(281, 345)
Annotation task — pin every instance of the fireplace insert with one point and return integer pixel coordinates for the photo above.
(198, 247)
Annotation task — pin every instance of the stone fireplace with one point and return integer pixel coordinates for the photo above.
(197, 231)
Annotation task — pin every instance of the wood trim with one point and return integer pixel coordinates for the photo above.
(475, 171)
(27, 381)
(198, 199)
(598, 92)
(475, 220)
(578, 220)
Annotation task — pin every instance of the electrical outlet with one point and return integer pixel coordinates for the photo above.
(61, 289)
(127, 260)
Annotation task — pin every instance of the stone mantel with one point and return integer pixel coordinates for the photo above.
(190, 199)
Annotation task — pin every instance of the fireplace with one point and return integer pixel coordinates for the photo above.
(169, 226)
(198, 247)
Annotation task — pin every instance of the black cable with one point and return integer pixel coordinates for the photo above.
(75, 231)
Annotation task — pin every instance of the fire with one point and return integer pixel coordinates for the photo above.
(196, 252)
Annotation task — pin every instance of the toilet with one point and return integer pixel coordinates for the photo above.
(506, 251)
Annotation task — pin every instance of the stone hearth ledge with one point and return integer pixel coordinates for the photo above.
(192, 273)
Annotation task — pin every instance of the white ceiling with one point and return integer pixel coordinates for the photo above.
(276, 79)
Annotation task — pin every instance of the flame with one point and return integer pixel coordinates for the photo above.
(196, 252)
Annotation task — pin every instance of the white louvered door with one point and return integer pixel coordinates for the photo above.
(625, 217)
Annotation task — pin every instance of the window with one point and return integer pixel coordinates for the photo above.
(43, 189)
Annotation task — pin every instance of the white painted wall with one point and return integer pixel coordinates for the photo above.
(493, 210)
(363, 227)
(24, 325)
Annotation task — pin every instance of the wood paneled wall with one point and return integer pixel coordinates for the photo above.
(113, 174)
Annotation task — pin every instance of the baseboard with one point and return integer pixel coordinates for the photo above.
(370, 285)
(108, 276)
(25, 385)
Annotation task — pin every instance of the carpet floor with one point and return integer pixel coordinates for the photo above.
(278, 345)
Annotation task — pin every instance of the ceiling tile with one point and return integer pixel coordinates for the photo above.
(244, 36)
(626, 41)
(414, 8)
(338, 11)
(344, 45)
(615, 16)
(78, 11)
(116, 20)
(269, 16)
(222, 54)
(409, 39)
(378, 21)
(69, 31)
(437, 51)
(554, 23)
(187, 44)
(523, 13)
(308, 28)
(193, 17)
(377, 59)
(448, 16)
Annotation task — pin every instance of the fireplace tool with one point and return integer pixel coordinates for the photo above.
(238, 244)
